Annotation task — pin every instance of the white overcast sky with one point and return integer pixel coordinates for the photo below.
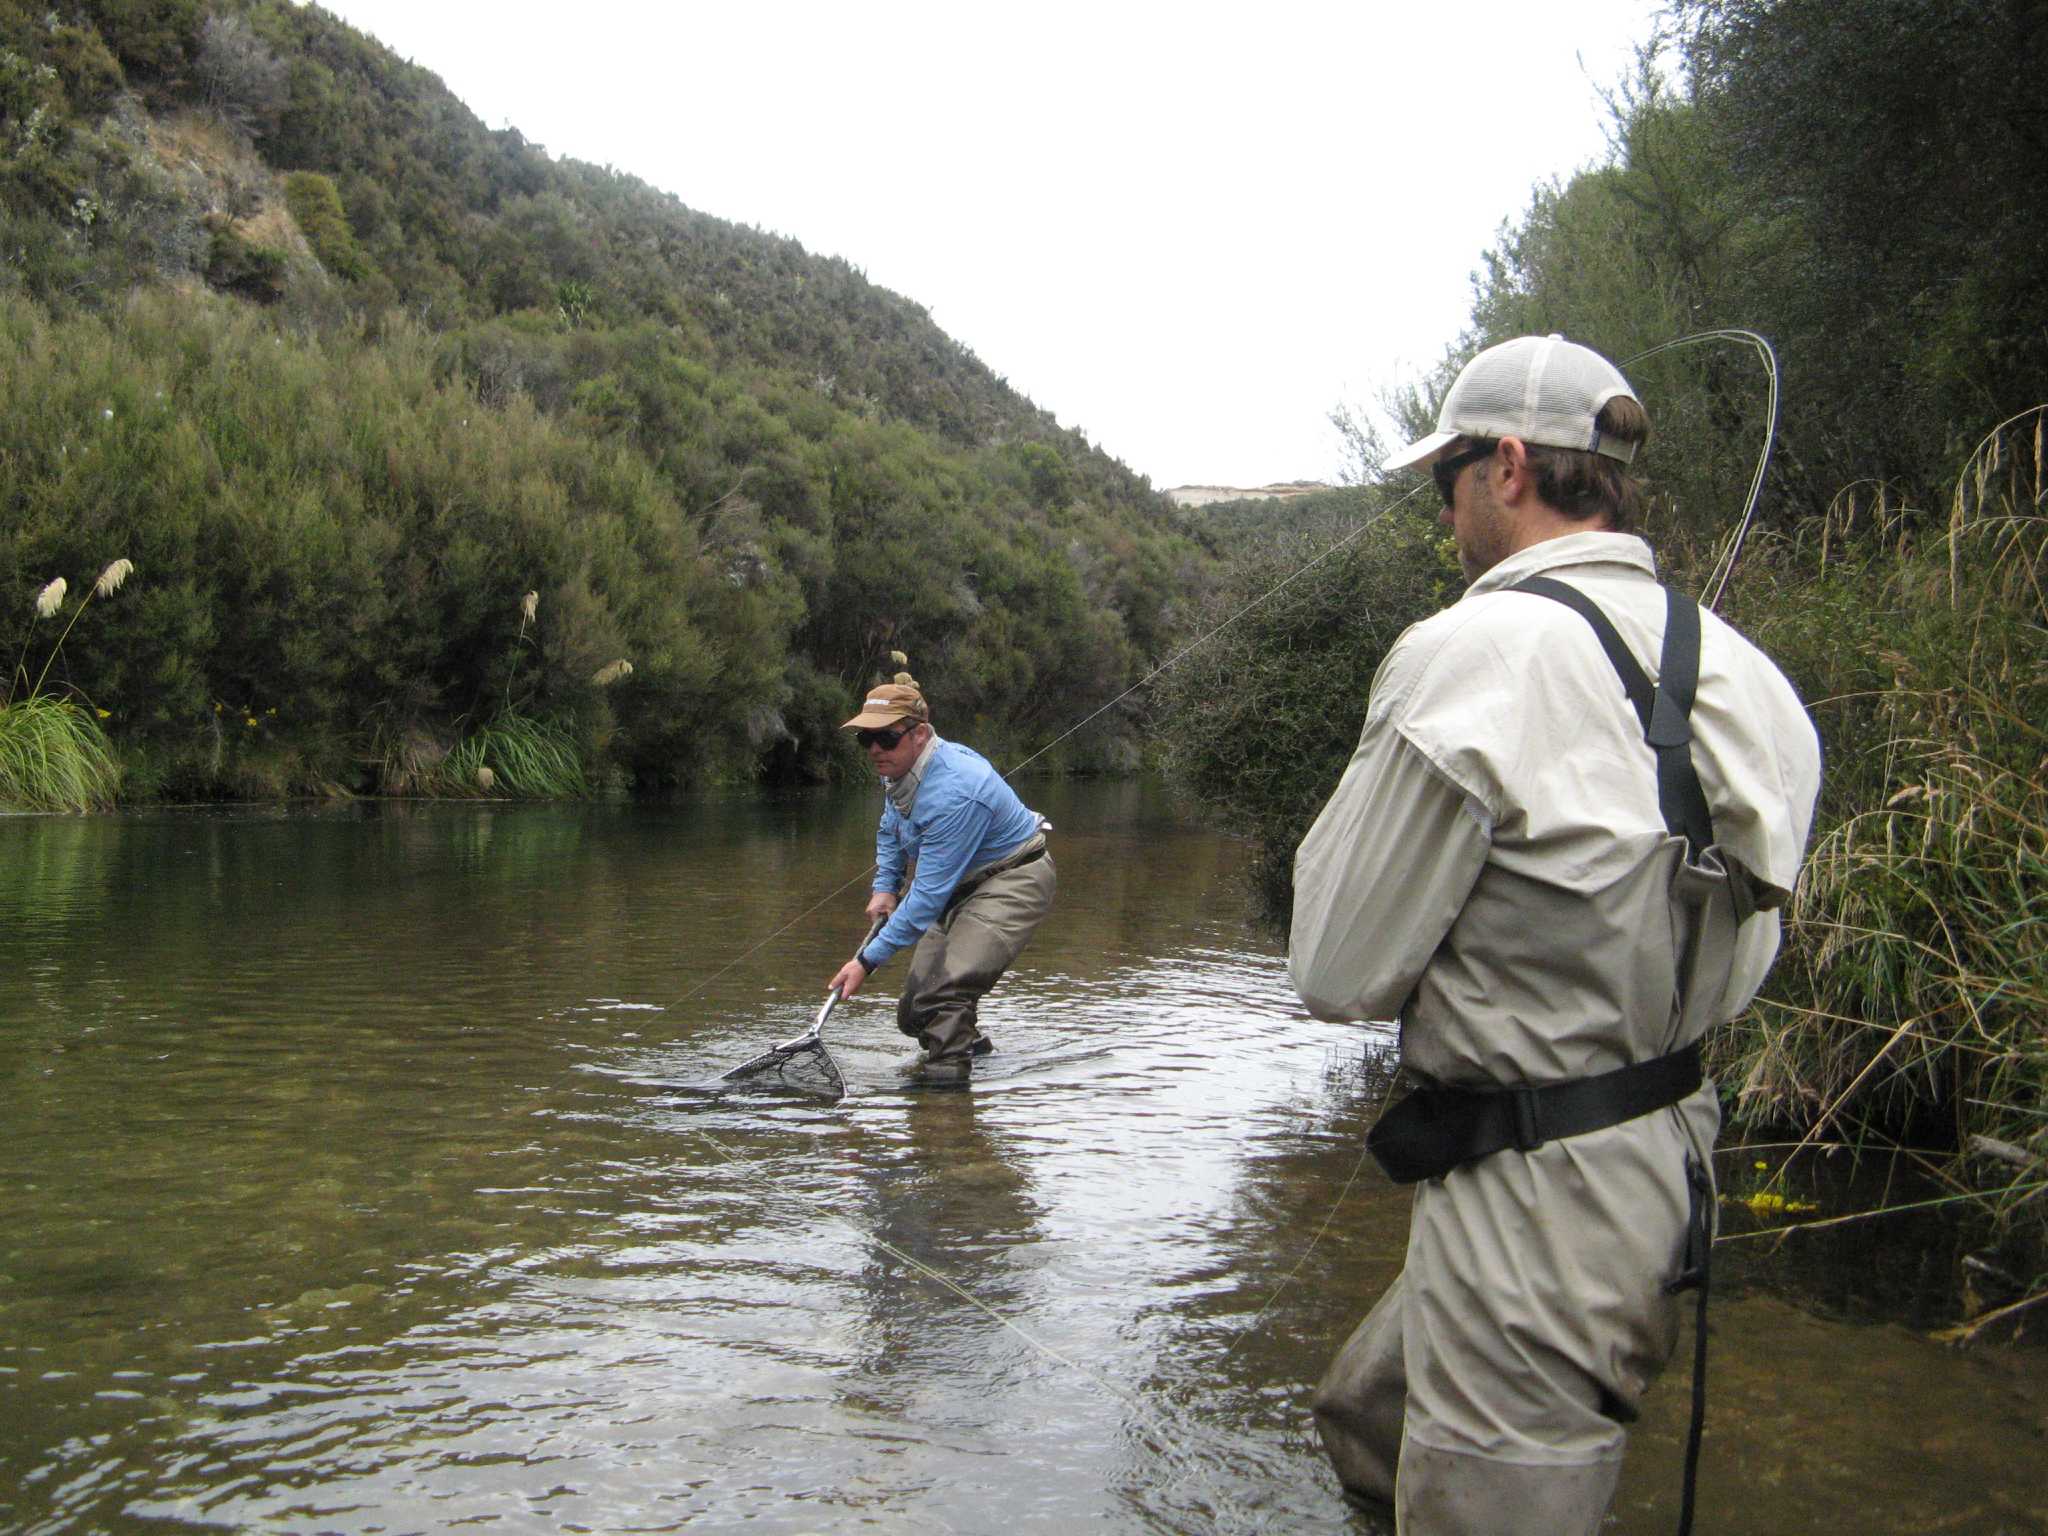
(1189, 230)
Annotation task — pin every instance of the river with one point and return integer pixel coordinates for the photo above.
(350, 1181)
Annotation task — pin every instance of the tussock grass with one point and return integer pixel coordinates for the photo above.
(53, 754)
(55, 757)
(513, 755)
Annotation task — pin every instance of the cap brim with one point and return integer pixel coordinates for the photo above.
(869, 720)
(1421, 452)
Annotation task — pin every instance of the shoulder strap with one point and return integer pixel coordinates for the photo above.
(1665, 709)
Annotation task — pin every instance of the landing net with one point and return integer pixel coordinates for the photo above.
(802, 1065)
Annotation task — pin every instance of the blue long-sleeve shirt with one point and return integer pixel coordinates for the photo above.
(964, 816)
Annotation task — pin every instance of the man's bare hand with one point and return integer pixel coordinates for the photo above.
(881, 904)
(848, 981)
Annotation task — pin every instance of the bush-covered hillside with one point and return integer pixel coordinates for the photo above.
(347, 375)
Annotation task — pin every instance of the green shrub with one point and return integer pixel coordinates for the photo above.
(153, 39)
(235, 266)
(316, 208)
(53, 753)
(90, 73)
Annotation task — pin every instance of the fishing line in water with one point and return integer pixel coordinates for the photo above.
(1336, 1205)
(1169, 1438)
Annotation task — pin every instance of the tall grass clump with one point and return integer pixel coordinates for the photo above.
(516, 755)
(54, 756)
(1910, 1005)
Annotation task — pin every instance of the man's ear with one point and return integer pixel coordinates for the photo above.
(1517, 479)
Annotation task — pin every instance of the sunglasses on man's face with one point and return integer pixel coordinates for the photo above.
(886, 739)
(1445, 471)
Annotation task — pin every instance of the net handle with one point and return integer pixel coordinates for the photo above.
(832, 997)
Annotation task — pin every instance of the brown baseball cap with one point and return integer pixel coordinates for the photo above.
(887, 703)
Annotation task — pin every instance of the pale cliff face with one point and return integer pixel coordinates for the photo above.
(1208, 495)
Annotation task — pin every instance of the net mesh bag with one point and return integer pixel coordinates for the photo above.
(796, 1066)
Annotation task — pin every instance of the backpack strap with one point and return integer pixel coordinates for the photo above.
(1665, 708)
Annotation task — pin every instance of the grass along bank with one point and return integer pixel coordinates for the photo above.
(1910, 1005)
(54, 755)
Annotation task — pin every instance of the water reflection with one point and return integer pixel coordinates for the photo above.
(335, 1195)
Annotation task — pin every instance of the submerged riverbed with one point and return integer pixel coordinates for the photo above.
(342, 1190)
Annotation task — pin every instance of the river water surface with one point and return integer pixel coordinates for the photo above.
(341, 1190)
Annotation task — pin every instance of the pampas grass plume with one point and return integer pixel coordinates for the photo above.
(529, 605)
(611, 672)
(51, 598)
(485, 779)
(112, 577)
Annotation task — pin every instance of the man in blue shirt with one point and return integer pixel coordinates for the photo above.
(982, 882)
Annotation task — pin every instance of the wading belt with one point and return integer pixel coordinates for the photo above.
(1434, 1130)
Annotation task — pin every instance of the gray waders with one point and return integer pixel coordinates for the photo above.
(1362, 1403)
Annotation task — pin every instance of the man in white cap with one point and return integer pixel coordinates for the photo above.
(1557, 858)
(984, 879)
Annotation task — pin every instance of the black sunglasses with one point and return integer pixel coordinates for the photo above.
(886, 739)
(1445, 471)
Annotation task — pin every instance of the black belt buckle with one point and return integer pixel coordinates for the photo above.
(1528, 1136)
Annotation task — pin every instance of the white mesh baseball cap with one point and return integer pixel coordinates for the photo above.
(1542, 389)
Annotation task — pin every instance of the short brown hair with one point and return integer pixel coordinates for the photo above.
(1591, 485)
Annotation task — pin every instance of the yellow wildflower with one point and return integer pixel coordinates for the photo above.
(1765, 1202)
